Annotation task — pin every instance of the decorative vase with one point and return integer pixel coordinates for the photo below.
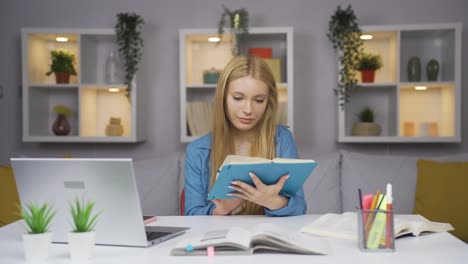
(114, 128)
(112, 69)
(61, 127)
(36, 246)
(414, 69)
(62, 77)
(432, 70)
(367, 76)
(366, 129)
(81, 244)
(211, 76)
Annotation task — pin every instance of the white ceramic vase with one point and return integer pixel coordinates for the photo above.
(81, 244)
(36, 246)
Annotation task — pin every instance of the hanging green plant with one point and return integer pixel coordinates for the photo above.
(128, 33)
(239, 20)
(344, 33)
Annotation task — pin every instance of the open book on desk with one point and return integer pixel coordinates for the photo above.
(345, 226)
(268, 171)
(263, 238)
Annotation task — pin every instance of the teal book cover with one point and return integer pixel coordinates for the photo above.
(269, 172)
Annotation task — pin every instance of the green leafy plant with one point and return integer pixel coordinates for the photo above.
(369, 61)
(81, 214)
(366, 115)
(37, 217)
(128, 32)
(344, 33)
(62, 61)
(239, 22)
(62, 110)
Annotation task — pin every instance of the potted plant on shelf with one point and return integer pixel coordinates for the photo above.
(367, 65)
(344, 33)
(128, 33)
(82, 238)
(62, 65)
(37, 238)
(61, 127)
(366, 125)
(239, 22)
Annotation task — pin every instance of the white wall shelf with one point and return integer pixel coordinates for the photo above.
(197, 55)
(87, 95)
(403, 112)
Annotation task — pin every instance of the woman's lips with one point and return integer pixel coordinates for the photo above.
(245, 120)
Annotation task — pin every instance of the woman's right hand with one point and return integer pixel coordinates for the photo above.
(225, 206)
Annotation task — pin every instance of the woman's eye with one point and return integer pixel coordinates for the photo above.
(260, 101)
(237, 98)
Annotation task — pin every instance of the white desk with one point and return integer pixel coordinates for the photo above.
(434, 248)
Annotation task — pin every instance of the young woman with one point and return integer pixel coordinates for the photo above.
(245, 123)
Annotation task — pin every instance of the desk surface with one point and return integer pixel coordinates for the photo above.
(434, 248)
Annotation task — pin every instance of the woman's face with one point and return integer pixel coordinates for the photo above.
(246, 102)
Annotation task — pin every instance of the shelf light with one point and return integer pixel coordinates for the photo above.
(420, 87)
(61, 39)
(213, 39)
(114, 90)
(366, 37)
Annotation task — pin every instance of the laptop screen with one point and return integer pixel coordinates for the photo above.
(108, 182)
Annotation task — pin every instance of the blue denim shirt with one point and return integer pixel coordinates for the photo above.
(197, 176)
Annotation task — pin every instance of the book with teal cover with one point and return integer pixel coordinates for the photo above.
(268, 171)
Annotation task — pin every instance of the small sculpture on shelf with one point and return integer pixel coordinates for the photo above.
(61, 127)
(432, 70)
(366, 125)
(63, 65)
(367, 65)
(114, 128)
(414, 69)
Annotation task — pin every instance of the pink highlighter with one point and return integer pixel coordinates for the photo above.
(366, 203)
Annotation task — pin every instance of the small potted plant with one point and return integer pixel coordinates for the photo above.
(82, 238)
(63, 65)
(367, 65)
(61, 127)
(366, 125)
(344, 34)
(239, 22)
(37, 238)
(129, 39)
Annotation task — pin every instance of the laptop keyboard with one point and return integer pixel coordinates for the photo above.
(154, 235)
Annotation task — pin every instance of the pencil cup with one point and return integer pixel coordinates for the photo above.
(375, 231)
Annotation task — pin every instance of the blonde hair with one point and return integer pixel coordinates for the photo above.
(263, 144)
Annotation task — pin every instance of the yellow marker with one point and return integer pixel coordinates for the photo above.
(378, 226)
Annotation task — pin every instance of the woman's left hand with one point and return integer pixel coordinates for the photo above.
(261, 194)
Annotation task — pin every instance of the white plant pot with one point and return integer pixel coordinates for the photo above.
(36, 246)
(81, 244)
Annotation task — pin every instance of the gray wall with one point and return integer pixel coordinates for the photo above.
(314, 62)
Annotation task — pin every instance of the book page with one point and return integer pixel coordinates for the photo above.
(268, 237)
(334, 225)
(236, 159)
(285, 160)
(404, 227)
(345, 226)
(232, 239)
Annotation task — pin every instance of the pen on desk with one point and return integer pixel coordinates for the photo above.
(388, 232)
(360, 199)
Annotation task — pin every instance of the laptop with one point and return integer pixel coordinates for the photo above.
(109, 182)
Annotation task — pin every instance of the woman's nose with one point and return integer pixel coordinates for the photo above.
(248, 107)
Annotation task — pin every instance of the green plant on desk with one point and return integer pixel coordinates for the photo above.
(37, 217)
(81, 214)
